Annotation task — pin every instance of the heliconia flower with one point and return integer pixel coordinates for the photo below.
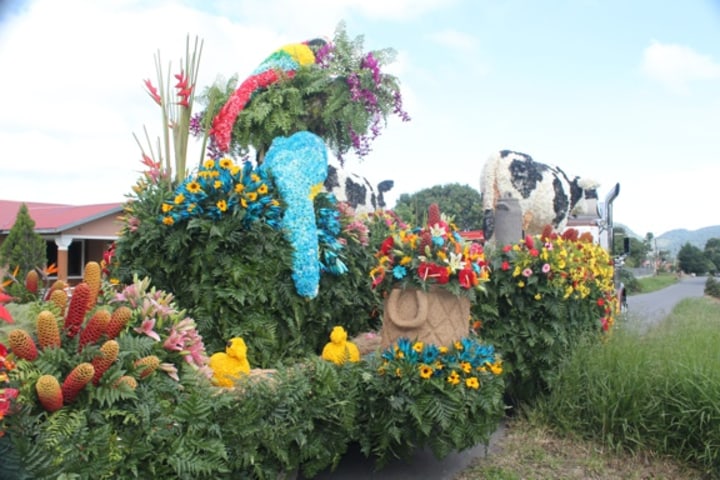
(182, 80)
(152, 91)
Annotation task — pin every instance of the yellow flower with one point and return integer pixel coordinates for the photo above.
(209, 163)
(398, 372)
(521, 284)
(473, 383)
(538, 296)
(458, 345)
(166, 207)
(262, 189)
(405, 260)
(252, 196)
(439, 365)
(418, 347)
(239, 188)
(191, 207)
(425, 371)
(226, 163)
(179, 198)
(254, 177)
(243, 202)
(496, 368)
(443, 349)
(168, 220)
(466, 367)
(453, 378)
(217, 184)
(222, 205)
(235, 170)
(315, 189)
(194, 187)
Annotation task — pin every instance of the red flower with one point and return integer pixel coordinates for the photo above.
(431, 271)
(600, 302)
(467, 278)
(387, 245)
(505, 266)
(534, 252)
(529, 242)
(507, 248)
(153, 92)
(182, 80)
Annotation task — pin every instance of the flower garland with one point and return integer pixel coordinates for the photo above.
(465, 363)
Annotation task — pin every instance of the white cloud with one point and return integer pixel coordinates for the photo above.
(455, 40)
(676, 65)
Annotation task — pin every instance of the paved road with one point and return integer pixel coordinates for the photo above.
(647, 309)
(643, 310)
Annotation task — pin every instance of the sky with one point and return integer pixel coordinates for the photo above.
(618, 91)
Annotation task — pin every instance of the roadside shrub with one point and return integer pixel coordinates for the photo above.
(659, 391)
(632, 285)
(712, 287)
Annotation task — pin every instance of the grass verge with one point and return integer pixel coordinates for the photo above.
(656, 282)
(638, 406)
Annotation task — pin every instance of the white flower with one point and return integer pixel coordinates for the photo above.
(456, 262)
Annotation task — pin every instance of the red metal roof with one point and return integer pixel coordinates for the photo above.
(53, 217)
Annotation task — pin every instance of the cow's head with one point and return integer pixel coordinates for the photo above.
(584, 196)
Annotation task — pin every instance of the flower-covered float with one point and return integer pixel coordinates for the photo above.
(249, 262)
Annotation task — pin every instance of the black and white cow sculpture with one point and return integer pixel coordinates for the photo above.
(356, 190)
(547, 196)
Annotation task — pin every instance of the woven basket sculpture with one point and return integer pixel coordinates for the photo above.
(436, 316)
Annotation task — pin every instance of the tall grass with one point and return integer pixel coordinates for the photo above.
(657, 391)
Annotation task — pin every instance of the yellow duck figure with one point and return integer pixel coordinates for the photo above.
(230, 365)
(339, 350)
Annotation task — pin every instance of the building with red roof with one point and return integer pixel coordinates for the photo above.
(75, 234)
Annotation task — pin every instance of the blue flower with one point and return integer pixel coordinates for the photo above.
(399, 272)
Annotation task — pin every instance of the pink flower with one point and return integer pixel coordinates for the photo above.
(546, 268)
(527, 272)
(147, 327)
(171, 370)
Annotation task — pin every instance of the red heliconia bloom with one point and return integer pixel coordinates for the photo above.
(182, 80)
(184, 103)
(153, 92)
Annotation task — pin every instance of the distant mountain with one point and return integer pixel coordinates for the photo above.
(675, 239)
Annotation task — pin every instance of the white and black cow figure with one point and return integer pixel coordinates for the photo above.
(545, 193)
(356, 190)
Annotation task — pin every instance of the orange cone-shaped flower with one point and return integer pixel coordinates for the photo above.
(77, 309)
(48, 332)
(92, 277)
(108, 354)
(119, 318)
(76, 381)
(95, 328)
(49, 393)
(22, 344)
